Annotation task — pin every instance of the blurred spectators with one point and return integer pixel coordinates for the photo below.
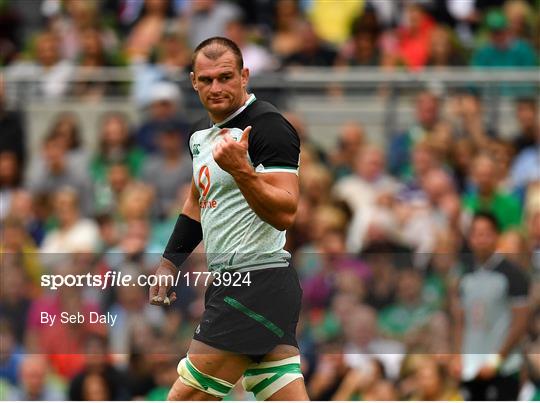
(13, 313)
(364, 343)
(350, 139)
(35, 383)
(503, 49)
(256, 58)
(163, 107)
(173, 58)
(431, 381)
(364, 192)
(528, 119)
(409, 312)
(74, 233)
(22, 207)
(312, 51)
(110, 383)
(332, 24)
(91, 58)
(427, 109)
(286, 38)
(147, 30)
(56, 171)
(53, 71)
(443, 50)
(13, 134)
(363, 49)
(409, 45)
(118, 159)
(67, 129)
(168, 170)
(71, 19)
(20, 250)
(10, 179)
(519, 14)
(12, 355)
(488, 197)
(209, 18)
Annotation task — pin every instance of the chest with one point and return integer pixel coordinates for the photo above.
(209, 178)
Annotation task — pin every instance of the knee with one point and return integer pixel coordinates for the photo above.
(175, 393)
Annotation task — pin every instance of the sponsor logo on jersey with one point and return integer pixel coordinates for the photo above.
(208, 204)
(204, 180)
(196, 150)
(204, 184)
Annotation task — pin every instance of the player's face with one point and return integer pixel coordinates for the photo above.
(221, 85)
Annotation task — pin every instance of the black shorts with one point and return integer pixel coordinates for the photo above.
(252, 320)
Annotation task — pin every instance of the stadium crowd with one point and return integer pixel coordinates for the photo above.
(383, 236)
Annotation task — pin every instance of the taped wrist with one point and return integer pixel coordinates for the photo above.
(187, 234)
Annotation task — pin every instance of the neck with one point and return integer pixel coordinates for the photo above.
(221, 118)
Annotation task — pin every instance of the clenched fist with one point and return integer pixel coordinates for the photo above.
(231, 155)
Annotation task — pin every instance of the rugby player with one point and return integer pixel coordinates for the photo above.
(244, 195)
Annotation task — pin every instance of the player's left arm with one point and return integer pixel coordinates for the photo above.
(271, 190)
(273, 196)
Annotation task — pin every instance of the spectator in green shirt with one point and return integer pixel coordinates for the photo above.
(410, 310)
(488, 197)
(502, 50)
(116, 145)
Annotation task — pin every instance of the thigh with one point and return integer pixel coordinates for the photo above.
(218, 363)
(210, 361)
(296, 390)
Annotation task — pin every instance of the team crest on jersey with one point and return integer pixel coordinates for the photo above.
(196, 150)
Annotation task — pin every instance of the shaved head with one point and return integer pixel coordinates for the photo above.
(215, 47)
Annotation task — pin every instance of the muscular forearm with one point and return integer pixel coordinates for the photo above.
(274, 205)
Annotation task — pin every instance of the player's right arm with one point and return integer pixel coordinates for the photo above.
(191, 206)
(187, 234)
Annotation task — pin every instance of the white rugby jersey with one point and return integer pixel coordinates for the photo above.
(234, 236)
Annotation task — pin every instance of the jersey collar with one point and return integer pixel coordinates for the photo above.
(248, 102)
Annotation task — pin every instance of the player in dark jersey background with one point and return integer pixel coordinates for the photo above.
(244, 195)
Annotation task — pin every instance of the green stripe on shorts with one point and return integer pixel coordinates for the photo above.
(254, 315)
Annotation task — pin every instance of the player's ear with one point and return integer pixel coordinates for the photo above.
(244, 76)
(193, 81)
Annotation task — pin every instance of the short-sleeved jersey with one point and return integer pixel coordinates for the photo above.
(234, 236)
(487, 295)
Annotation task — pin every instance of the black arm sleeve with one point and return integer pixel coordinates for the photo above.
(273, 142)
(187, 234)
